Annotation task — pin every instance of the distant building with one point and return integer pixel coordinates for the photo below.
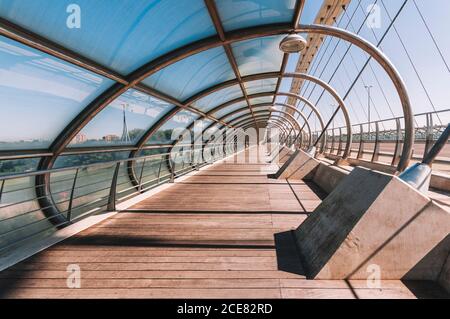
(111, 138)
(80, 138)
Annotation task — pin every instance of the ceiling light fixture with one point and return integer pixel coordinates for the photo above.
(293, 43)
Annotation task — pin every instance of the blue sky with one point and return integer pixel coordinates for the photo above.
(422, 51)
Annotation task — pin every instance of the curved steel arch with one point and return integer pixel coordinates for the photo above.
(283, 120)
(248, 115)
(241, 99)
(154, 66)
(286, 120)
(243, 117)
(269, 93)
(301, 129)
(341, 107)
(380, 57)
(293, 108)
(313, 108)
(333, 93)
(262, 94)
(64, 138)
(247, 123)
(221, 119)
(245, 109)
(274, 122)
(235, 36)
(175, 110)
(283, 128)
(284, 131)
(280, 125)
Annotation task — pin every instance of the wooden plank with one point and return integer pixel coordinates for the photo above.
(134, 266)
(145, 283)
(145, 293)
(155, 252)
(152, 259)
(209, 236)
(148, 274)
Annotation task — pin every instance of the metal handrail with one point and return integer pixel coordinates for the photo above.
(70, 168)
(18, 229)
(391, 119)
(424, 134)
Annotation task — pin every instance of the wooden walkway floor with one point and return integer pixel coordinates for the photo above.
(212, 235)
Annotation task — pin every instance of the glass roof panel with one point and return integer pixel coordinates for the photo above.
(217, 98)
(189, 76)
(120, 34)
(260, 108)
(241, 121)
(202, 124)
(258, 55)
(212, 129)
(262, 99)
(207, 122)
(124, 121)
(237, 14)
(236, 115)
(40, 95)
(230, 108)
(179, 121)
(259, 86)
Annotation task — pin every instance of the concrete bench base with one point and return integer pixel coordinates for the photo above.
(374, 221)
(300, 165)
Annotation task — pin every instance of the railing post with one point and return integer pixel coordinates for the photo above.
(397, 150)
(376, 147)
(332, 142)
(195, 159)
(112, 191)
(159, 169)
(172, 168)
(429, 135)
(361, 142)
(340, 142)
(327, 142)
(140, 176)
(72, 192)
(1, 189)
(437, 147)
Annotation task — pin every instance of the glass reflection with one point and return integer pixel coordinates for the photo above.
(237, 14)
(39, 95)
(231, 108)
(179, 121)
(191, 75)
(259, 86)
(258, 55)
(124, 121)
(261, 99)
(121, 34)
(217, 98)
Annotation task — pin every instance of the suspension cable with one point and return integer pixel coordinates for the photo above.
(431, 35)
(367, 61)
(412, 63)
(325, 50)
(345, 54)
(334, 50)
(372, 71)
